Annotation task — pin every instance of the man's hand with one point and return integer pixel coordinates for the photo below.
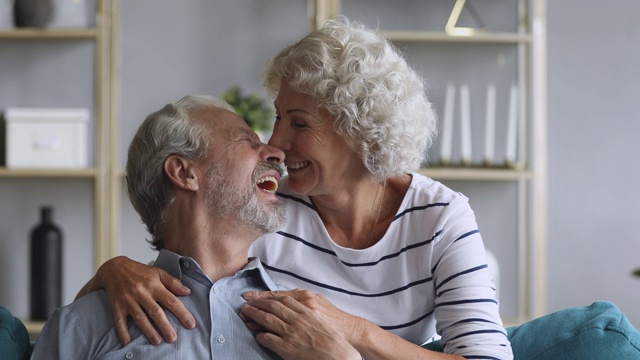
(301, 324)
(142, 291)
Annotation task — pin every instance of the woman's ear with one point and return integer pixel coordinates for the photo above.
(181, 172)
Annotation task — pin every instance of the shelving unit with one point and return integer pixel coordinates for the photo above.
(98, 172)
(100, 35)
(529, 172)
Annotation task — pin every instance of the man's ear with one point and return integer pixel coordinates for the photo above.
(181, 172)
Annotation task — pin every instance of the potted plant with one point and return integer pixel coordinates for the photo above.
(253, 109)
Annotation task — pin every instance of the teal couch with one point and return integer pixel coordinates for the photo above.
(14, 338)
(600, 331)
(597, 332)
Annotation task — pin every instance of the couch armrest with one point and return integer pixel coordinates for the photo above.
(14, 338)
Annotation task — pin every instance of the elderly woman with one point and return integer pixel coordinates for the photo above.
(388, 257)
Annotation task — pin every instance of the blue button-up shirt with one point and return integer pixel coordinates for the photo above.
(85, 328)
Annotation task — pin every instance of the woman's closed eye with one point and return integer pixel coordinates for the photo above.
(299, 124)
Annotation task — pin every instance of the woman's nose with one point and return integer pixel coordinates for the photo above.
(279, 137)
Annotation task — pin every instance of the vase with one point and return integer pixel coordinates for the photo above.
(46, 266)
(32, 13)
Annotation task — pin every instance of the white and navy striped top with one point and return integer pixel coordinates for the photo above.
(427, 275)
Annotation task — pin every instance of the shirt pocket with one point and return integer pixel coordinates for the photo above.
(140, 348)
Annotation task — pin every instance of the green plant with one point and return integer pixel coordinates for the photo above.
(252, 108)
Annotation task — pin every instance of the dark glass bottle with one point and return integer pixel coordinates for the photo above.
(46, 267)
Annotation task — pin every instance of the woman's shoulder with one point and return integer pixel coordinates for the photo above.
(425, 188)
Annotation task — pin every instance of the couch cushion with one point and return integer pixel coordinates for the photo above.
(14, 338)
(599, 331)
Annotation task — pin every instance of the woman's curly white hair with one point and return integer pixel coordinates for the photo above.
(377, 100)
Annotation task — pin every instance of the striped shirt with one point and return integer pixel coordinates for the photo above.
(426, 276)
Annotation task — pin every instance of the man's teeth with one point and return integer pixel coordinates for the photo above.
(272, 186)
(297, 165)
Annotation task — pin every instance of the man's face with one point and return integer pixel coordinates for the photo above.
(242, 173)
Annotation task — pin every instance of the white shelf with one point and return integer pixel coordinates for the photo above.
(34, 328)
(476, 174)
(48, 173)
(441, 36)
(43, 34)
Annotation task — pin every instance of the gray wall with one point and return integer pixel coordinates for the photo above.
(173, 48)
(594, 127)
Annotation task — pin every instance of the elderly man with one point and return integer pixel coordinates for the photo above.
(204, 186)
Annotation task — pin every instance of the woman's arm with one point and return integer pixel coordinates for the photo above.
(297, 323)
(141, 291)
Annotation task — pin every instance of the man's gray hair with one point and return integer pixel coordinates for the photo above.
(169, 131)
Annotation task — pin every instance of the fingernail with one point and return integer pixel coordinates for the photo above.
(248, 295)
(156, 341)
(190, 324)
(171, 337)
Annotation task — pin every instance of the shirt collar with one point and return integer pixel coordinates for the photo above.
(171, 263)
(257, 264)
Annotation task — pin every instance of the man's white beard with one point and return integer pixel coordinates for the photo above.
(223, 198)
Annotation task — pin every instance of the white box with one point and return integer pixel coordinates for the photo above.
(46, 138)
(71, 14)
(6, 14)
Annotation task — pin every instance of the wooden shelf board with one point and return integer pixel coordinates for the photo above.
(60, 34)
(476, 174)
(47, 173)
(33, 327)
(441, 36)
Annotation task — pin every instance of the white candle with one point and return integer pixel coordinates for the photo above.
(490, 125)
(447, 125)
(465, 124)
(512, 130)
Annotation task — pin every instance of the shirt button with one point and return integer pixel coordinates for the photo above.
(186, 264)
(129, 355)
(215, 290)
(221, 339)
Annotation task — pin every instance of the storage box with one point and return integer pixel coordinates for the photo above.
(45, 138)
(6, 14)
(71, 14)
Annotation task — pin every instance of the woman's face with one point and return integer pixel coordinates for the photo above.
(318, 160)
